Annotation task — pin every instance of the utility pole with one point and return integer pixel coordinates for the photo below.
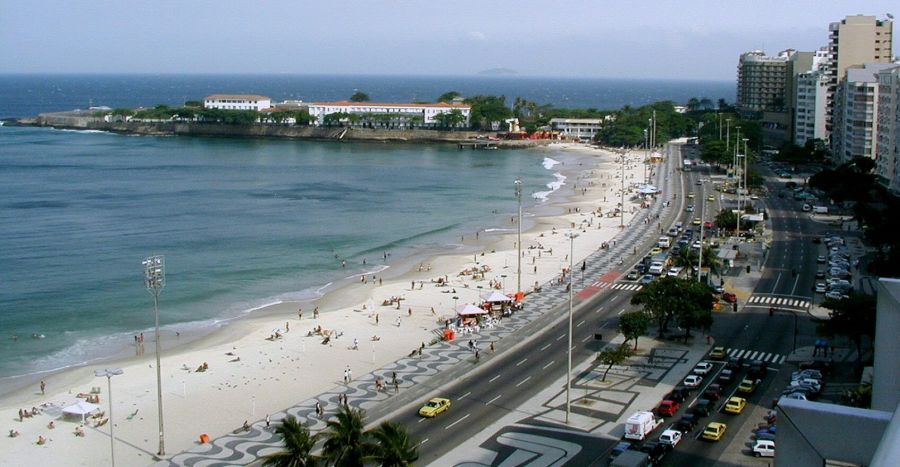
(622, 209)
(518, 183)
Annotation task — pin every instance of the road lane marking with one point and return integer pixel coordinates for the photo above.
(454, 423)
(547, 365)
(587, 338)
(579, 324)
(463, 396)
(494, 399)
(620, 313)
(545, 347)
(423, 441)
(561, 336)
(493, 379)
(523, 381)
(421, 420)
(522, 361)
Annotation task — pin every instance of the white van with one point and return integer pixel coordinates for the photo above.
(664, 242)
(656, 268)
(764, 448)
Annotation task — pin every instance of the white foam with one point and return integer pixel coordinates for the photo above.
(553, 186)
(85, 131)
(499, 230)
(549, 163)
(264, 305)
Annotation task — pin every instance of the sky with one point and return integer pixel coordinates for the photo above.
(652, 39)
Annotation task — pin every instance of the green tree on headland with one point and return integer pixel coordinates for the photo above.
(448, 96)
(359, 96)
(487, 109)
(450, 119)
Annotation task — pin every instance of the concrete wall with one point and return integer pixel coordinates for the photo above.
(886, 382)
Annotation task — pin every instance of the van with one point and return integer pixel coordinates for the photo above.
(664, 242)
(764, 448)
(656, 268)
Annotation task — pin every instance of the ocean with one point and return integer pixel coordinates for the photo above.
(242, 223)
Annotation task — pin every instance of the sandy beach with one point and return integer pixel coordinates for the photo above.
(264, 364)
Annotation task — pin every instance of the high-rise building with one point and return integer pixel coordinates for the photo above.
(854, 132)
(887, 161)
(809, 91)
(853, 41)
(761, 82)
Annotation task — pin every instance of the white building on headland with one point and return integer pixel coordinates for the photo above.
(237, 102)
(583, 129)
(388, 114)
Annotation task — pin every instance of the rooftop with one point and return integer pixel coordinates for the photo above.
(245, 97)
(391, 104)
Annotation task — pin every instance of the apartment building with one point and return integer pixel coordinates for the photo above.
(855, 132)
(808, 96)
(887, 165)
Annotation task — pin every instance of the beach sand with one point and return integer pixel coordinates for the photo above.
(251, 375)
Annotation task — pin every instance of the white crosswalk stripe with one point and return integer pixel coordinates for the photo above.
(626, 286)
(788, 302)
(768, 357)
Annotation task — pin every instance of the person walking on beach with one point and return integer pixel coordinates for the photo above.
(43, 387)
(345, 377)
(355, 344)
(349, 374)
(299, 313)
(376, 319)
(398, 321)
(409, 312)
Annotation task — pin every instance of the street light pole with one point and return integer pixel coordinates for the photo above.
(572, 236)
(109, 373)
(518, 183)
(646, 154)
(155, 280)
(702, 209)
(622, 209)
(738, 175)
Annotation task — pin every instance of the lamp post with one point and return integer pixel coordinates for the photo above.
(572, 236)
(622, 221)
(746, 162)
(518, 183)
(702, 209)
(109, 373)
(646, 154)
(155, 280)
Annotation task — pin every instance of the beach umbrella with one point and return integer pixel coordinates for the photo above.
(468, 310)
(81, 408)
(494, 297)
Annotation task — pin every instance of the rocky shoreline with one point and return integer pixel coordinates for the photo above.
(83, 120)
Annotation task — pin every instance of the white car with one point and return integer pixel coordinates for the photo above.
(693, 381)
(703, 368)
(764, 448)
(670, 438)
(820, 287)
(674, 271)
(808, 373)
(835, 295)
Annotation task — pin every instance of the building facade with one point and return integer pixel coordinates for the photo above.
(855, 132)
(888, 126)
(583, 129)
(853, 41)
(387, 115)
(809, 94)
(237, 102)
(761, 82)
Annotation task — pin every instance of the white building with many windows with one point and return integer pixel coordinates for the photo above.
(810, 95)
(855, 133)
(887, 160)
(387, 115)
(237, 102)
(583, 129)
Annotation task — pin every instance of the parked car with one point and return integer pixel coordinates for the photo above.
(725, 377)
(693, 381)
(835, 295)
(808, 373)
(648, 278)
(618, 449)
(717, 353)
(734, 363)
(714, 431)
(729, 297)
(735, 405)
(667, 408)
(703, 368)
(679, 394)
(796, 396)
(633, 275)
(757, 369)
(820, 287)
(655, 450)
(670, 437)
(819, 259)
(763, 448)
(764, 436)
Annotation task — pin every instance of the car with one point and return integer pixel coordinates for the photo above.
(702, 368)
(819, 259)
(717, 353)
(763, 448)
(820, 274)
(725, 377)
(748, 386)
(667, 408)
(754, 197)
(735, 404)
(693, 381)
(655, 450)
(435, 407)
(696, 221)
(729, 297)
(796, 396)
(632, 275)
(686, 423)
(689, 208)
(696, 245)
(702, 408)
(670, 437)
(674, 271)
(808, 373)
(713, 392)
(648, 278)
(619, 449)
(655, 251)
(714, 431)
(770, 429)
(710, 198)
(690, 196)
(820, 287)
(814, 388)
(734, 363)
(672, 232)
(699, 182)
(757, 369)
(822, 365)
(835, 295)
(764, 436)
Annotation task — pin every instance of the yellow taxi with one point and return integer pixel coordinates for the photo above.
(747, 386)
(434, 407)
(691, 195)
(710, 198)
(717, 353)
(735, 405)
(696, 221)
(714, 431)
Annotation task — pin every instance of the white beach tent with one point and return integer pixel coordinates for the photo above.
(80, 408)
(469, 310)
(648, 190)
(495, 297)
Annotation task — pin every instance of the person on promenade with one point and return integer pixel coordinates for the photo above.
(318, 410)
(267, 420)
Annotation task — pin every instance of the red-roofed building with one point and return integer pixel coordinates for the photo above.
(237, 102)
(391, 115)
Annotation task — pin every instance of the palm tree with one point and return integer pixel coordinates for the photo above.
(393, 446)
(346, 444)
(298, 445)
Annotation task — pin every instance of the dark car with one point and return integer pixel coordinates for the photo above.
(619, 449)
(686, 423)
(725, 377)
(640, 268)
(821, 365)
(632, 275)
(734, 363)
(702, 408)
(713, 392)
(655, 450)
(676, 396)
(757, 369)
(686, 391)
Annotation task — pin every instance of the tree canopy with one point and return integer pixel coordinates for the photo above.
(634, 325)
(614, 356)
(359, 96)
(687, 301)
(852, 317)
(448, 96)
(487, 109)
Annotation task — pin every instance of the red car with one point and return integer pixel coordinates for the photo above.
(729, 297)
(667, 408)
